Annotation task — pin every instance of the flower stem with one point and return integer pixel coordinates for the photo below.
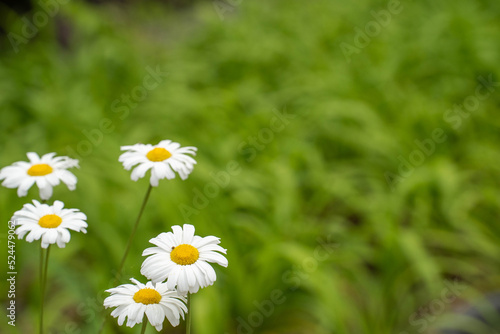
(134, 230)
(41, 290)
(144, 324)
(127, 249)
(188, 316)
(43, 281)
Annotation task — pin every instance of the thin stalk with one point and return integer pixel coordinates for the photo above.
(43, 285)
(144, 324)
(127, 249)
(188, 316)
(134, 230)
(41, 290)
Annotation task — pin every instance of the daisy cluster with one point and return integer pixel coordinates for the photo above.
(40, 221)
(179, 264)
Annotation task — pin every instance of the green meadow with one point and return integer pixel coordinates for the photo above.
(348, 158)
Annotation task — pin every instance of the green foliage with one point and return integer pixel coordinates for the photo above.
(308, 210)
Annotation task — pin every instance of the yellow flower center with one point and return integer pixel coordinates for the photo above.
(147, 296)
(39, 170)
(158, 154)
(50, 221)
(184, 254)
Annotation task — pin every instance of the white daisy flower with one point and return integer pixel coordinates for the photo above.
(163, 159)
(182, 259)
(46, 172)
(154, 300)
(50, 223)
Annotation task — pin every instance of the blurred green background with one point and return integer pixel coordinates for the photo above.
(371, 208)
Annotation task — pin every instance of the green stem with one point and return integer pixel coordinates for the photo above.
(129, 244)
(46, 268)
(134, 230)
(43, 201)
(41, 290)
(43, 285)
(144, 324)
(188, 316)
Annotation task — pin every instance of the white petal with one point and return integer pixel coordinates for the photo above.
(182, 281)
(140, 171)
(177, 230)
(68, 178)
(33, 157)
(25, 186)
(173, 277)
(208, 271)
(214, 257)
(46, 191)
(188, 234)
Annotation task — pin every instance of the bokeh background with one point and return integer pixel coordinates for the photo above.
(355, 145)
